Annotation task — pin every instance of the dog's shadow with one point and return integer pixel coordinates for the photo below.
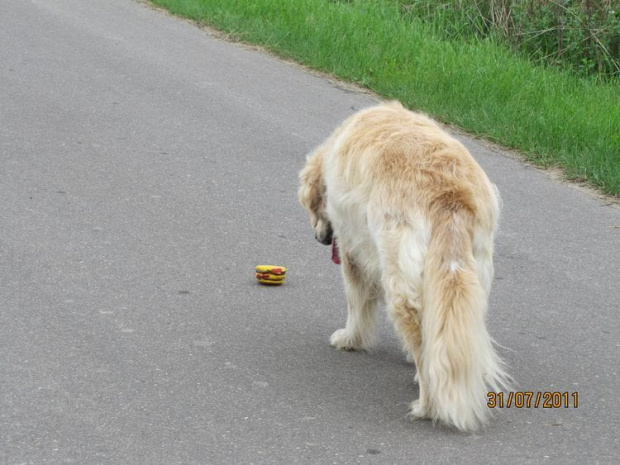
(374, 386)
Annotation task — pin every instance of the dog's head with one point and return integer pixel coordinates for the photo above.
(312, 197)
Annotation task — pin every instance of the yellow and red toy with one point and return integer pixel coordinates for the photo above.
(270, 274)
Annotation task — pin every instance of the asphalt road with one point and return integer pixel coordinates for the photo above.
(145, 169)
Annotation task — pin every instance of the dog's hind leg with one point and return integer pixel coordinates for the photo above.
(406, 320)
(403, 255)
(362, 296)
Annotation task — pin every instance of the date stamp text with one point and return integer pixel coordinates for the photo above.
(533, 399)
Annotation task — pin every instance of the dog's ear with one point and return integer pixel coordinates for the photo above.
(312, 189)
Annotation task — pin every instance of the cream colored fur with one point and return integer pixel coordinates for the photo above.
(414, 216)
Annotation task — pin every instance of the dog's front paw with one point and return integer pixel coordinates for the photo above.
(341, 340)
(418, 410)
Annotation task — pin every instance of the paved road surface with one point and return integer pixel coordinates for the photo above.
(145, 168)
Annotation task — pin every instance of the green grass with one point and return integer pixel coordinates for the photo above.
(551, 116)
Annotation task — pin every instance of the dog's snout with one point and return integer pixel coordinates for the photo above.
(327, 237)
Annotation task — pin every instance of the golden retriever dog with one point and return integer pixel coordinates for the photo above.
(413, 216)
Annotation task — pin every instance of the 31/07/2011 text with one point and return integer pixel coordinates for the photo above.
(532, 399)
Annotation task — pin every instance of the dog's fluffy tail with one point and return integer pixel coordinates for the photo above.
(460, 364)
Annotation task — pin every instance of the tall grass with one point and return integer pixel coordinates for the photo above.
(583, 35)
(478, 85)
